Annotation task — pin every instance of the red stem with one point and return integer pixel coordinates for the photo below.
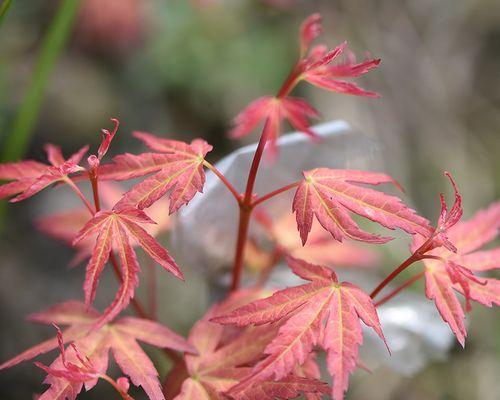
(246, 203)
(252, 175)
(95, 191)
(418, 255)
(409, 261)
(224, 180)
(409, 282)
(246, 210)
(274, 193)
(291, 80)
(244, 222)
(79, 193)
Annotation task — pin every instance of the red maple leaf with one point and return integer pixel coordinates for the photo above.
(120, 337)
(29, 177)
(118, 227)
(319, 72)
(453, 267)
(81, 370)
(274, 110)
(177, 167)
(329, 195)
(64, 226)
(289, 387)
(314, 68)
(310, 30)
(324, 312)
(224, 358)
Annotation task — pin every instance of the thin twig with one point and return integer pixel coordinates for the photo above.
(403, 286)
(275, 193)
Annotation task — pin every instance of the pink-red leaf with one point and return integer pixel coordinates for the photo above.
(30, 177)
(438, 288)
(114, 230)
(129, 274)
(178, 169)
(452, 268)
(88, 354)
(152, 247)
(107, 138)
(223, 356)
(272, 111)
(100, 255)
(323, 312)
(310, 29)
(153, 333)
(135, 363)
(308, 271)
(287, 388)
(329, 195)
(319, 71)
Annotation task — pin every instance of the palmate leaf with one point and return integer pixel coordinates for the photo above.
(72, 369)
(120, 337)
(455, 272)
(321, 313)
(177, 167)
(329, 195)
(65, 225)
(273, 111)
(27, 178)
(222, 363)
(317, 68)
(288, 388)
(115, 229)
(215, 369)
(319, 71)
(314, 66)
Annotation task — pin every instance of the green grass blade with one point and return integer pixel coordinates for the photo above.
(22, 126)
(3, 9)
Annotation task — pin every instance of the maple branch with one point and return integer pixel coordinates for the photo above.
(405, 264)
(403, 286)
(246, 209)
(257, 157)
(418, 255)
(79, 193)
(224, 180)
(291, 81)
(95, 191)
(245, 203)
(244, 222)
(275, 193)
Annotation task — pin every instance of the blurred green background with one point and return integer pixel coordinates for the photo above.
(185, 68)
